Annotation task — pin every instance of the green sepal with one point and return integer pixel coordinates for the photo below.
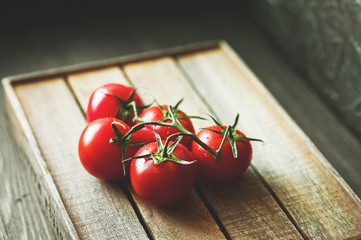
(137, 157)
(242, 138)
(174, 144)
(217, 123)
(164, 152)
(159, 141)
(127, 107)
(230, 135)
(215, 131)
(124, 142)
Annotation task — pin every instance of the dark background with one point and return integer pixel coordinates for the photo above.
(303, 51)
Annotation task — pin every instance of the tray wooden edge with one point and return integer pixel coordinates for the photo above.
(46, 188)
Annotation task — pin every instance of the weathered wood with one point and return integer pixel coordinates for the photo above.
(84, 83)
(97, 210)
(45, 189)
(322, 42)
(187, 221)
(235, 208)
(3, 233)
(314, 196)
(21, 215)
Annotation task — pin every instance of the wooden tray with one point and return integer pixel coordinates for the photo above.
(289, 192)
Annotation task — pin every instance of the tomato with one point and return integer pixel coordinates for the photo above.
(113, 100)
(99, 157)
(227, 167)
(156, 113)
(166, 182)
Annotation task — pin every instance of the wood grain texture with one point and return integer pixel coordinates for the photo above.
(233, 204)
(22, 213)
(3, 233)
(320, 205)
(187, 221)
(84, 83)
(97, 210)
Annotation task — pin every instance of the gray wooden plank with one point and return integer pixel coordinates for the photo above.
(233, 207)
(3, 233)
(97, 210)
(20, 210)
(299, 176)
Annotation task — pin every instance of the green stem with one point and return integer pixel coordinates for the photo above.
(142, 125)
(222, 143)
(214, 153)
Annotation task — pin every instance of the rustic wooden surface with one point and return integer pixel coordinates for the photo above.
(191, 220)
(245, 223)
(43, 46)
(292, 168)
(54, 125)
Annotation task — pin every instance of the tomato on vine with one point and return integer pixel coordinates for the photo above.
(163, 173)
(103, 145)
(113, 100)
(232, 156)
(178, 122)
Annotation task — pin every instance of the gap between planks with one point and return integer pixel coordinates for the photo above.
(162, 77)
(267, 186)
(290, 164)
(81, 86)
(246, 225)
(187, 221)
(57, 122)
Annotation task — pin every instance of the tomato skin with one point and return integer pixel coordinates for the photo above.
(165, 183)
(99, 157)
(102, 105)
(154, 113)
(228, 167)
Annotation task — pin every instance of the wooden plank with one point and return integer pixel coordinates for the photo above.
(188, 221)
(21, 215)
(246, 209)
(45, 189)
(319, 202)
(3, 233)
(97, 210)
(84, 83)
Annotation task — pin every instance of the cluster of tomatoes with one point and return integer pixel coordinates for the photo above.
(156, 146)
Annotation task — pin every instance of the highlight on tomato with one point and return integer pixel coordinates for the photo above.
(114, 100)
(232, 152)
(176, 119)
(103, 145)
(163, 172)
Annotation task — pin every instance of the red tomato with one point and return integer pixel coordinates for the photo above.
(228, 167)
(155, 113)
(103, 104)
(164, 183)
(99, 157)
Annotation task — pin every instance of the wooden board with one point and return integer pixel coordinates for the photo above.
(290, 192)
(194, 217)
(164, 72)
